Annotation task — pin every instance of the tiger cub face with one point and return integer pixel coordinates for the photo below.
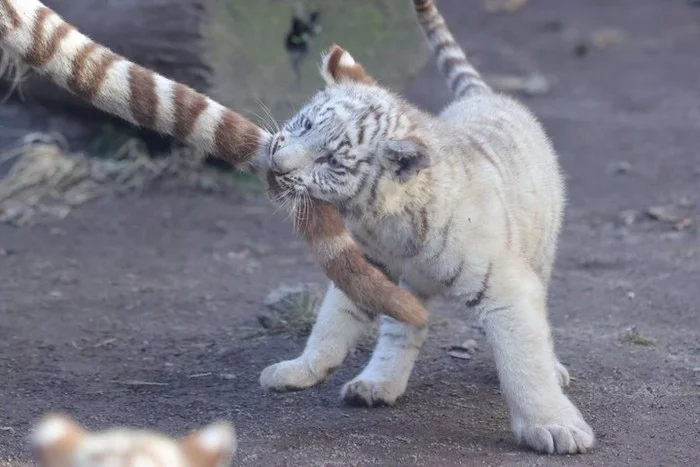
(58, 441)
(348, 137)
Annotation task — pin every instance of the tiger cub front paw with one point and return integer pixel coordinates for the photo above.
(290, 375)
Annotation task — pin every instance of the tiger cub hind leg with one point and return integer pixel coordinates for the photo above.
(516, 325)
(339, 326)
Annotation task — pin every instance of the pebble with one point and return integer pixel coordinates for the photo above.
(470, 345)
(285, 297)
(464, 351)
(458, 352)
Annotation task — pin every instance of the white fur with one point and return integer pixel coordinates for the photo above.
(50, 431)
(218, 438)
(60, 442)
(115, 92)
(494, 186)
(61, 63)
(347, 60)
(323, 69)
(113, 446)
(165, 119)
(385, 377)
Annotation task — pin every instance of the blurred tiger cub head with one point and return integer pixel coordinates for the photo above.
(59, 441)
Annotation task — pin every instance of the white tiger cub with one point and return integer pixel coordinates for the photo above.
(467, 204)
(59, 441)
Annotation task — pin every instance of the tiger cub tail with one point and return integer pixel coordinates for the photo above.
(462, 78)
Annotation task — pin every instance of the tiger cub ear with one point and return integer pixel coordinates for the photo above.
(407, 157)
(55, 440)
(337, 65)
(212, 446)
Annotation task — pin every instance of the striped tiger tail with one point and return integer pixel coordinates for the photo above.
(43, 40)
(462, 78)
(40, 38)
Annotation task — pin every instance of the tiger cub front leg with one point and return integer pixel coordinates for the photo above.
(339, 326)
(385, 377)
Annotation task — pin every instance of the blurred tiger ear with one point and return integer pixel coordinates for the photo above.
(55, 439)
(337, 65)
(212, 446)
(408, 157)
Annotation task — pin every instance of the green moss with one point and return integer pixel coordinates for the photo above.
(246, 49)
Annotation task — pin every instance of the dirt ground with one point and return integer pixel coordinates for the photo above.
(166, 287)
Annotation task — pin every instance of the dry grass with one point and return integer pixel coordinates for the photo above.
(296, 317)
(634, 337)
(43, 177)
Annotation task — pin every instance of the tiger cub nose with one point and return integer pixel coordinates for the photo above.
(277, 143)
(275, 166)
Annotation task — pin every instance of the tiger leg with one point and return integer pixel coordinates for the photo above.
(516, 325)
(385, 377)
(339, 326)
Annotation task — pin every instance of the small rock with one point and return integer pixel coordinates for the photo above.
(685, 203)
(470, 345)
(459, 352)
(285, 296)
(604, 38)
(684, 223)
(627, 217)
(238, 255)
(464, 351)
(12, 212)
(582, 49)
(631, 295)
(664, 214)
(5, 252)
(622, 167)
(634, 337)
(504, 6)
(671, 236)
(266, 321)
(218, 227)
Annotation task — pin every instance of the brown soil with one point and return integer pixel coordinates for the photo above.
(165, 287)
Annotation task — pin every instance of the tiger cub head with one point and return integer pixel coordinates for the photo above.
(59, 441)
(348, 138)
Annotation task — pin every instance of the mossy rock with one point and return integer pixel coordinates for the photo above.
(245, 41)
